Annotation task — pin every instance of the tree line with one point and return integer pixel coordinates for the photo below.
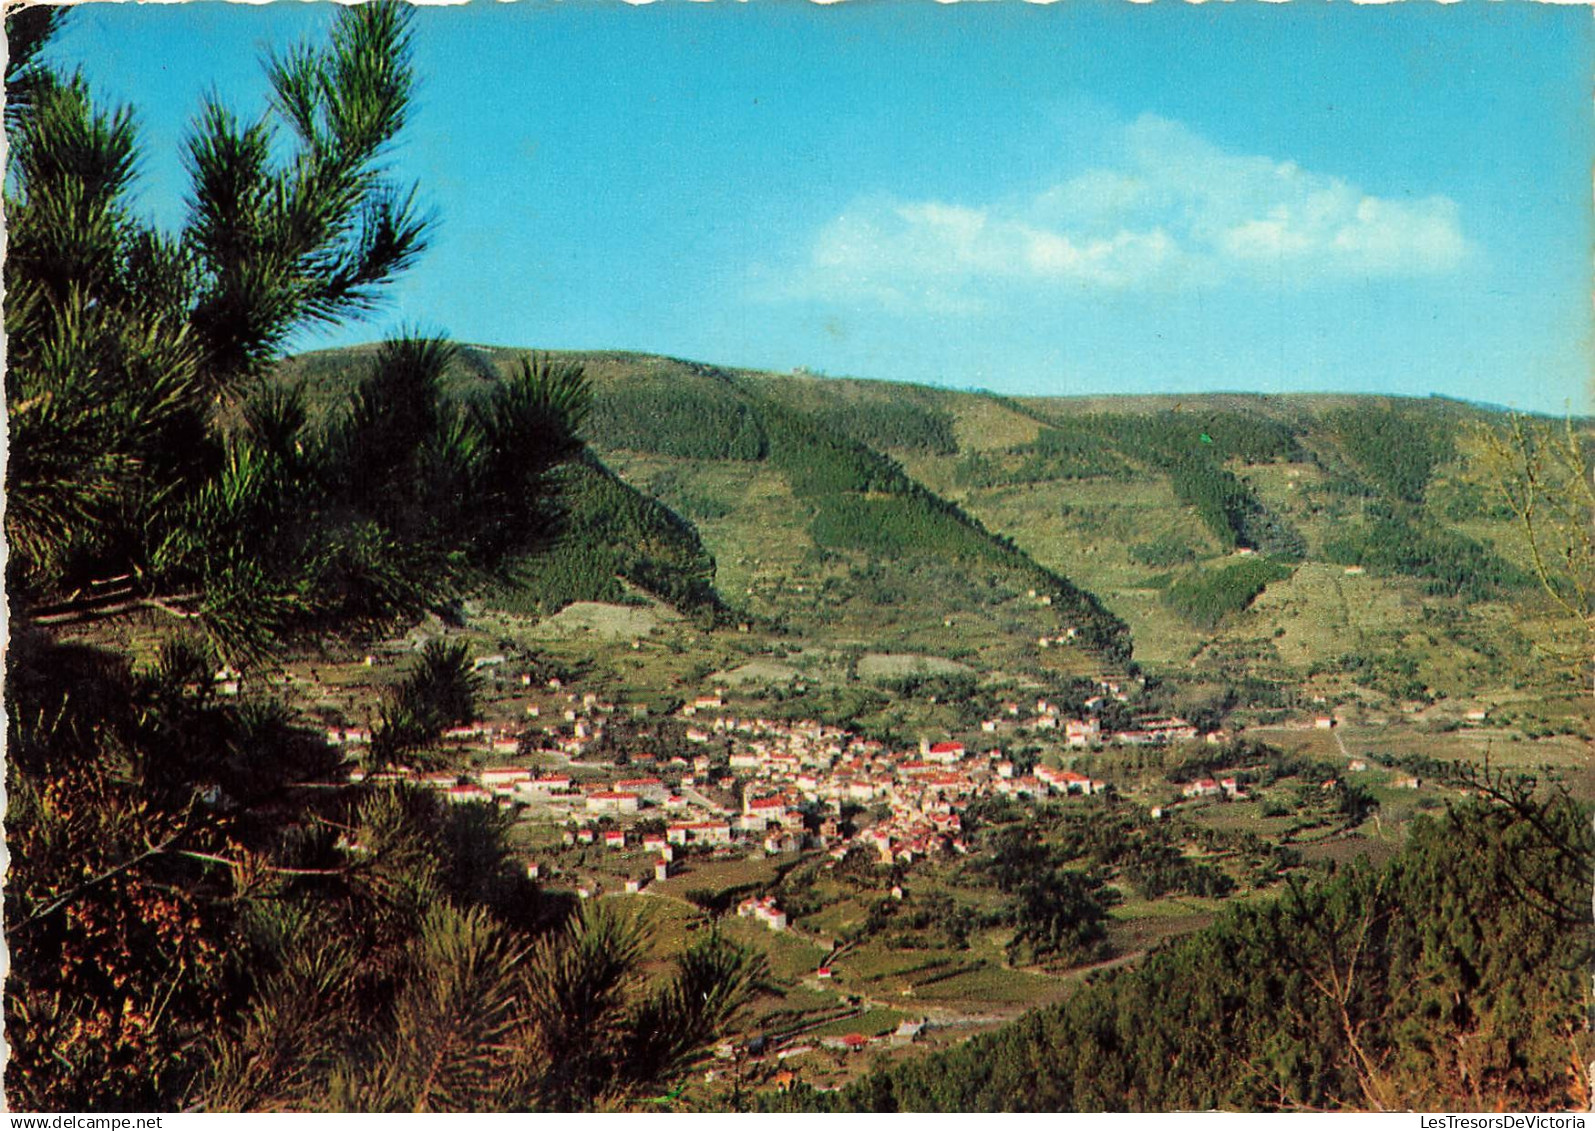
(897, 426)
(612, 533)
(865, 501)
(697, 420)
(1071, 448)
(1397, 451)
(1191, 448)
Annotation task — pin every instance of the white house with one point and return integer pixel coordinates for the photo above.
(505, 777)
(611, 801)
(765, 911)
(1079, 732)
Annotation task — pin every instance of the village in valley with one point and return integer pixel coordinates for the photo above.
(705, 810)
(815, 706)
(776, 779)
(773, 786)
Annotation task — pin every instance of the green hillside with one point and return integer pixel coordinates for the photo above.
(610, 534)
(1410, 985)
(1396, 551)
(786, 510)
(1269, 552)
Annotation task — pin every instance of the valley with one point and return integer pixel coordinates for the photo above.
(823, 656)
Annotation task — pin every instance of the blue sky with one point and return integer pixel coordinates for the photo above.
(1081, 197)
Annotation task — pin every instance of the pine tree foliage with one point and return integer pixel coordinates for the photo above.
(472, 1015)
(27, 31)
(201, 912)
(438, 694)
(578, 984)
(595, 1035)
(129, 347)
(402, 501)
(284, 1048)
(114, 915)
(310, 240)
(452, 1023)
(669, 1028)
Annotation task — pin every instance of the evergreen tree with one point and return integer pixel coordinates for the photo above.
(190, 925)
(125, 341)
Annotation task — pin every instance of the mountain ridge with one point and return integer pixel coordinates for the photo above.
(969, 524)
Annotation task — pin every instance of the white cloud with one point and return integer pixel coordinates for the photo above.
(1170, 208)
(1124, 259)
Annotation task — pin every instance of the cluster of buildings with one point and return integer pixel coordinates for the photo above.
(1089, 731)
(905, 1032)
(1210, 787)
(795, 779)
(798, 777)
(763, 910)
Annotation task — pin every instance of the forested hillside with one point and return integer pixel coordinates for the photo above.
(1450, 978)
(611, 535)
(850, 499)
(1287, 539)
